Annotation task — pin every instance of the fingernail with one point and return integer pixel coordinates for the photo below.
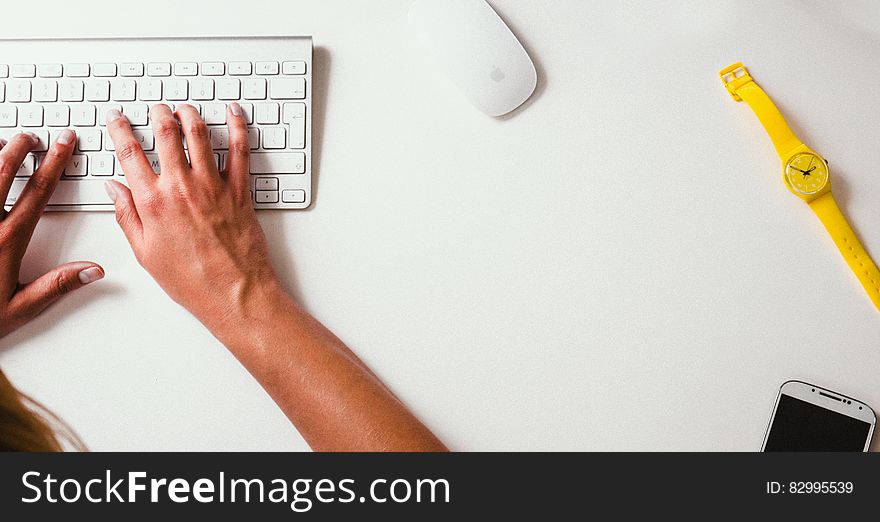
(66, 137)
(113, 115)
(111, 190)
(90, 275)
(235, 108)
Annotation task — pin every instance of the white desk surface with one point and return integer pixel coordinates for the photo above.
(617, 266)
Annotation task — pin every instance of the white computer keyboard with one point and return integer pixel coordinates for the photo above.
(50, 85)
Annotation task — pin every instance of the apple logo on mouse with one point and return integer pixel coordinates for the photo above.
(497, 75)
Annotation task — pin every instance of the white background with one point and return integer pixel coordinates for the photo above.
(617, 266)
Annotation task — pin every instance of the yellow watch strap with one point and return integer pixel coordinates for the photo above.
(741, 86)
(849, 245)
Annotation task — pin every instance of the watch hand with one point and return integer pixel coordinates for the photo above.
(799, 170)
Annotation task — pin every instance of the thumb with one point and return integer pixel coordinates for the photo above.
(126, 212)
(36, 296)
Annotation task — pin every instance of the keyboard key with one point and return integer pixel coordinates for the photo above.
(45, 91)
(266, 68)
(229, 89)
(287, 88)
(186, 69)
(137, 113)
(27, 167)
(266, 114)
(24, 70)
(176, 90)
(266, 183)
(153, 159)
(145, 138)
(267, 196)
(240, 68)
(31, 116)
(131, 69)
(71, 90)
(293, 68)
(214, 113)
(18, 91)
(69, 192)
(4, 70)
(77, 70)
(2, 91)
(159, 69)
(293, 196)
(8, 115)
(295, 118)
(254, 138)
(278, 163)
(104, 70)
(102, 112)
(123, 90)
(101, 164)
(213, 68)
(76, 167)
(149, 89)
(253, 89)
(57, 115)
(49, 70)
(88, 140)
(83, 115)
(202, 89)
(220, 139)
(97, 90)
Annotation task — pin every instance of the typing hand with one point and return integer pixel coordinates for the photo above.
(19, 303)
(192, 227)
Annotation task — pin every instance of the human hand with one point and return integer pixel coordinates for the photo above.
(19, 303)
(193, 228)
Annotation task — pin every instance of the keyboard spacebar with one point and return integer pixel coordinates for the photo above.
(68, 193)
(278, 163)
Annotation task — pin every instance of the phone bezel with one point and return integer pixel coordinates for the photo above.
(812, 394)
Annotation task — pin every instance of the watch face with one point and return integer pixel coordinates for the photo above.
(806, 173)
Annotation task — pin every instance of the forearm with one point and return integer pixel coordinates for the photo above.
(333, 399)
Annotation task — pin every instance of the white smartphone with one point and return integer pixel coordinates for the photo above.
(809, 418)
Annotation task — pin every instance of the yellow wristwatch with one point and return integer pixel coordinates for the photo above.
(806, 175)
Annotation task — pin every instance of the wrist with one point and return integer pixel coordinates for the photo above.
(250, 309)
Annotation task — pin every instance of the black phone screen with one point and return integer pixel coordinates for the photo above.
(801, 426)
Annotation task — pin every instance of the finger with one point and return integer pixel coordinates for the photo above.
(238, 158)
(138, 171)
(36, 296)
(198, 142)
(126, 213)
(166, 129)
(39, 188)
(11, 157)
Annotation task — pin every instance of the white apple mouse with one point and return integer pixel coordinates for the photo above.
(476, 49)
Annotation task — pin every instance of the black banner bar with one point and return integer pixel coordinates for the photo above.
(553, 486)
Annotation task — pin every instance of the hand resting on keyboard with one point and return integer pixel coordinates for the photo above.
(192, 228)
